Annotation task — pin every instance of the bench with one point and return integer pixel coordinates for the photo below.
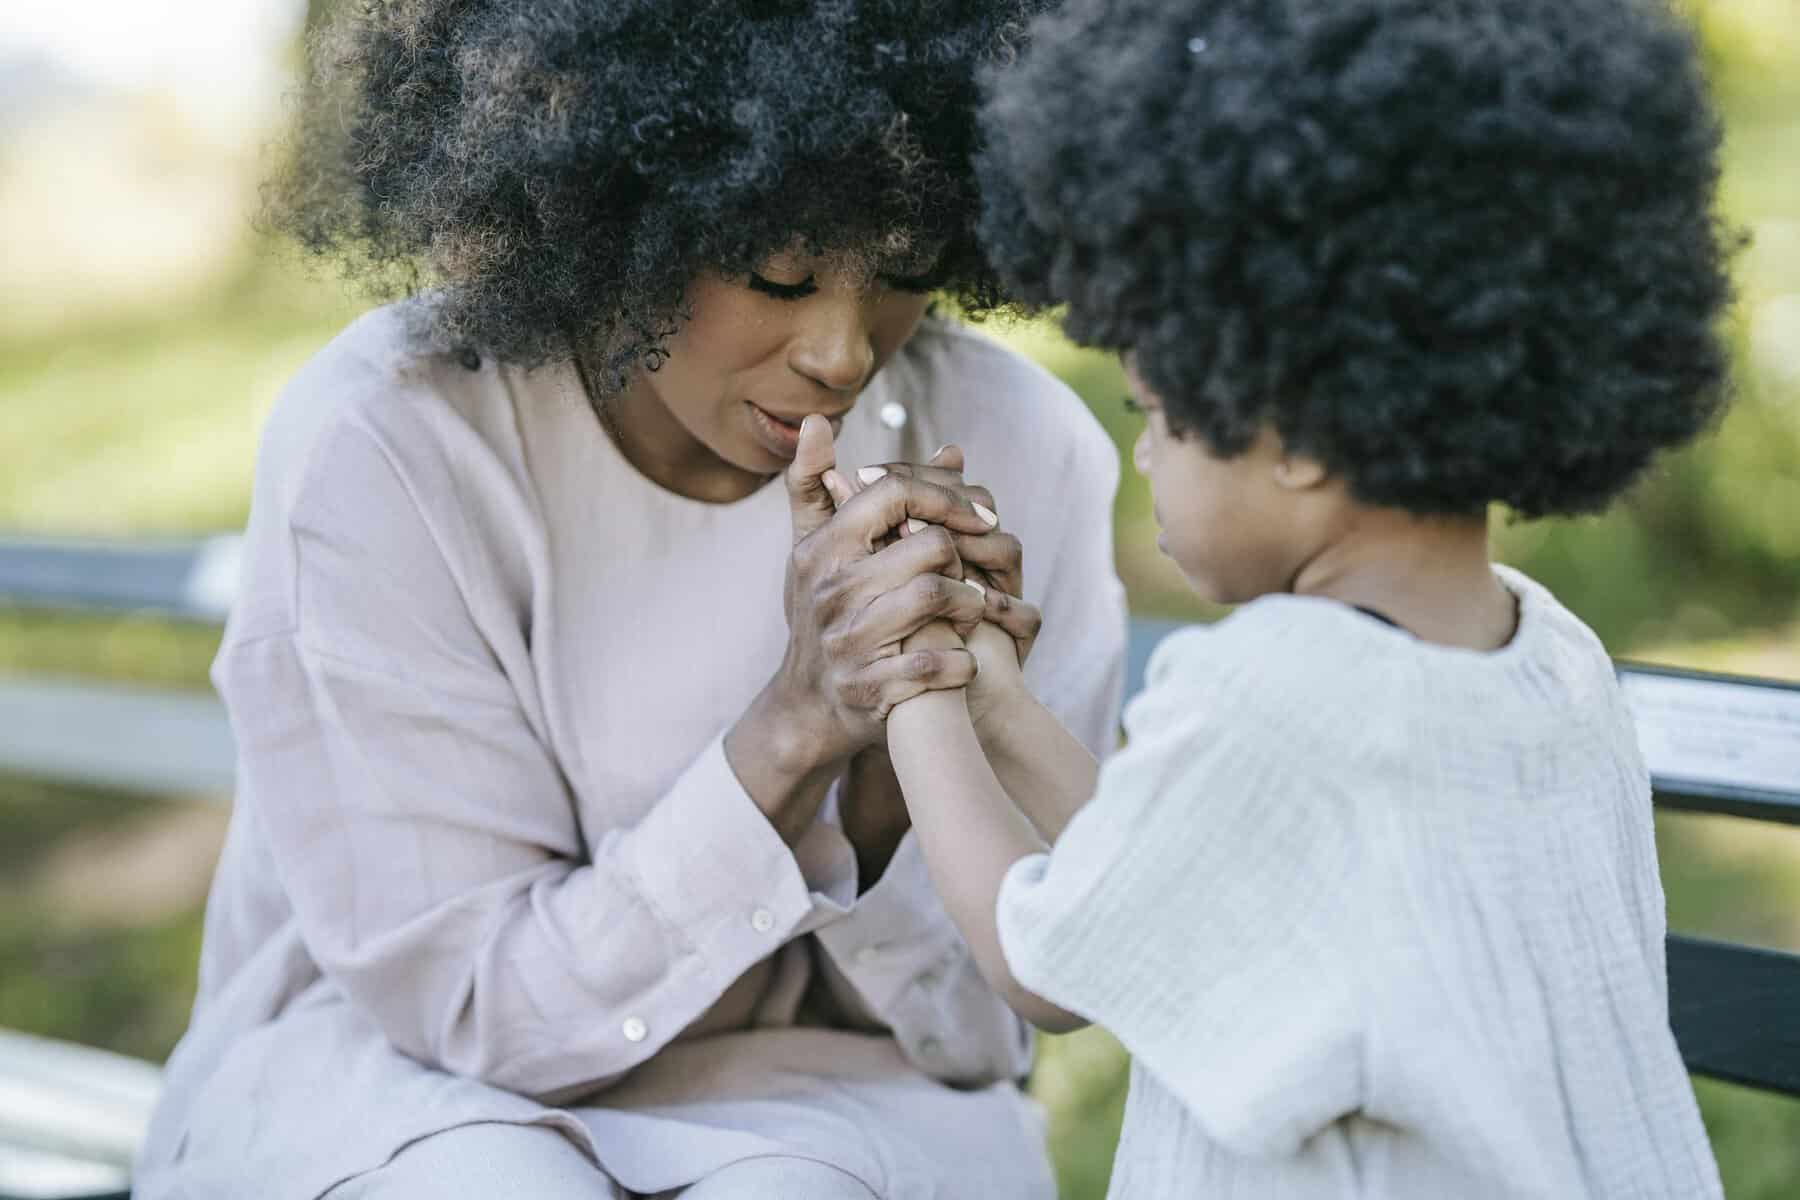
(70, 1116)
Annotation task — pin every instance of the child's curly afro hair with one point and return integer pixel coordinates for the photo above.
(1462, 251)
(557, 171)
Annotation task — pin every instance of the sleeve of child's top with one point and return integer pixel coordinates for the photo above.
(1201, 907)
(428, 841)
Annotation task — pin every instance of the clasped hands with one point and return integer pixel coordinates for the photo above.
(880, 609)
(880, 556)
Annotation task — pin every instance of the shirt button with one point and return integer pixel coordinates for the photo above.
(635, 1030)
(868, 955)
(929, 1047)
(762, 920)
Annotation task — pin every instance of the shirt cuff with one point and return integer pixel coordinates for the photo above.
(711, 866)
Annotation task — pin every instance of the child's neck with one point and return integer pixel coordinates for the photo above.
(1429, 575)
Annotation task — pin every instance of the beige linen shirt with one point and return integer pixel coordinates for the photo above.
(488, 861)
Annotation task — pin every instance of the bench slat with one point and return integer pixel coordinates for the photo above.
(111, 735)
(190, 580)
(1732, 1008)
(1718, 743)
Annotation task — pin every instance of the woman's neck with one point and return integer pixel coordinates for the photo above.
(664, 451)
(1430, 575)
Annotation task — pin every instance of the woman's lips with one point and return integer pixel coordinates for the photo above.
(776, 435)
(780, 436)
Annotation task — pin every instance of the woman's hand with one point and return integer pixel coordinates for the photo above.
(995, 560)
(852, 600)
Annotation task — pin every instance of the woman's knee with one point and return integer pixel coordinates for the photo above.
(779, 1178)
(482, 1162)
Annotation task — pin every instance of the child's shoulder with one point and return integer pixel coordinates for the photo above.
(1319, 670)
(1274, 647)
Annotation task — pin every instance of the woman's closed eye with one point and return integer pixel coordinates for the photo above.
(784, 291)
(920, 285)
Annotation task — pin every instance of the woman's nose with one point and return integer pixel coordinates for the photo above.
(834, 350)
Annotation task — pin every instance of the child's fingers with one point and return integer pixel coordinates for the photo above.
(949, 457)
(1019, 619)
(840, 488)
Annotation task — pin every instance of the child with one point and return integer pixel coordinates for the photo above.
(1371, 896)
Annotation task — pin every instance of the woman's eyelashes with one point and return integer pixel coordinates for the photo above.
(918, 285)
(784, 291)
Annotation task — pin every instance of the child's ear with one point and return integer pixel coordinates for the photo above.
(1299, 472)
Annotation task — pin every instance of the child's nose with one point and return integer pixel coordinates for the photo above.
(1140, 453)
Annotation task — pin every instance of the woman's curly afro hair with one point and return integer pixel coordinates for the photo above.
(1461, 251)
(558, 171)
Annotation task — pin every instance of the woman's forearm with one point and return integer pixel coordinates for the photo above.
(1044, 768)
(779, 765)
(970, 831)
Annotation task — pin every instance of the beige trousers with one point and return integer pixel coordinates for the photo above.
(496, 1162)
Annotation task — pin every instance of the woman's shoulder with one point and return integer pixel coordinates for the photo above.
(379, 439)
(384, 380)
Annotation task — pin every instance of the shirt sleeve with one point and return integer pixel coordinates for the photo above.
(430, 846)
(1199, 908)
(897, 951)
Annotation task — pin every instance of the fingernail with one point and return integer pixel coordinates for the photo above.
(915, 525)
(939, 452)
(986, 514)
(870, 474)
(977, 587)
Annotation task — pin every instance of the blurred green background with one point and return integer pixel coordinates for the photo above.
(144, 331)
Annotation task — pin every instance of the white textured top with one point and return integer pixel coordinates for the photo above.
(488, 861)
(1376, 918)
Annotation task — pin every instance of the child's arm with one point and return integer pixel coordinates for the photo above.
(969, 829)
(1044, 768)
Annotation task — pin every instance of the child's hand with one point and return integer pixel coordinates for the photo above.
(1003, 640)
(936, 636)
(998, 678)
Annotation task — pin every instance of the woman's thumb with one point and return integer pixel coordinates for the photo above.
(809, 501)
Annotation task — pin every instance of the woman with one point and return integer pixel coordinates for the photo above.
(562, 863)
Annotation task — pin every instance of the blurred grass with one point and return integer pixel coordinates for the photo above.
(123, 985)
(141, 419)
